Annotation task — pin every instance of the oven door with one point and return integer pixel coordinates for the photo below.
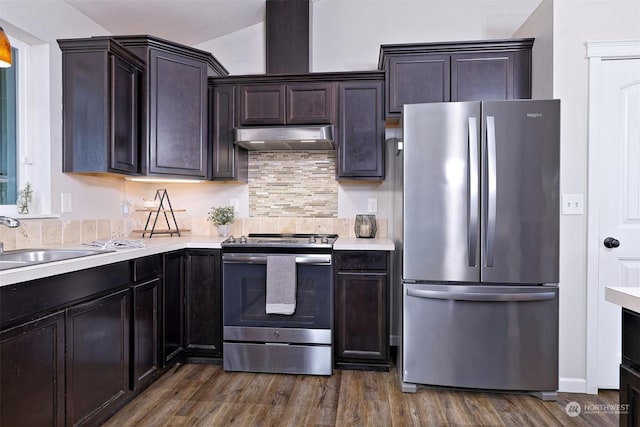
(244, 293)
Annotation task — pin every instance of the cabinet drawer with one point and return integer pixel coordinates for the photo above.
(630, 341)
(362, 260)
(147, 268)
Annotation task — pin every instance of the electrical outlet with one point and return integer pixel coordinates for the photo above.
(236, 204)
(66, 205)
(573, 204)
(372, 205)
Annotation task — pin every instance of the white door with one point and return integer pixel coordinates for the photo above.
(619, 200)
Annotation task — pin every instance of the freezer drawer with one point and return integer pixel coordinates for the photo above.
(485, 337)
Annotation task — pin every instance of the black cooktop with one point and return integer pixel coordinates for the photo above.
(281, 241)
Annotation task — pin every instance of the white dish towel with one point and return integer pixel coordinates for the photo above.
(281, 284)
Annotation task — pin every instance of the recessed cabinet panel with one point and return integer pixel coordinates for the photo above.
(229, 163)
(262, 105)
(125, 132)
(309, 103)
(32, 373)
(178, 115)
(145, 332)
(173, 306)
(97, 361)
(417, 79)
(481, 77)
(203, 303)
(361, 130)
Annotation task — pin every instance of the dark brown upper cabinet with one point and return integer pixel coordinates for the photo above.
(228, 162)
(175, 106)
(101, 120)
(285, 104)
(136, 105)
(353, 102)
(455, 71)
(360, 129)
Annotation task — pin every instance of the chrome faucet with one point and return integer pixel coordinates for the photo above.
(9, 222)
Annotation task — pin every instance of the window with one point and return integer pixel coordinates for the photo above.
(9, 147)
(23, 100)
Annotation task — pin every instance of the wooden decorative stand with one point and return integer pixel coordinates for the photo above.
(164, 208)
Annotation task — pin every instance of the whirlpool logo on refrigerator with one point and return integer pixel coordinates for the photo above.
(534, 115)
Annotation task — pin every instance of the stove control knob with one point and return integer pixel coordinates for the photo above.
(312, 239)
(243, 239)
(231, 239)
(324, 239)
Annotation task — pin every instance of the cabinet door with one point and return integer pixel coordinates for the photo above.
(203, 308)
(125, 112)
(361, 317)
(413, 79)
(145, 332)
(262, 104)
(228, 161)
(177, 115)
(630, 396)
(309, 103)
(173, 311)
(482, 76)
(97, 361)
(361, 130)
(32, 373)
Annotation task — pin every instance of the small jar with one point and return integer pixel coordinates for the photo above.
(365, 226)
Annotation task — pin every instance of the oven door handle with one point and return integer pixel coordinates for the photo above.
(315, 259)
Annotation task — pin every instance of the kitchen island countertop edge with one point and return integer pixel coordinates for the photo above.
(626, 297)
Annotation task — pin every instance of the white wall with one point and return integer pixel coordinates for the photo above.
(598, 20)
(40, 23)
(539, 25)
(575, 23)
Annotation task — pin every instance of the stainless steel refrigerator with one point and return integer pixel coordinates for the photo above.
(479, 250)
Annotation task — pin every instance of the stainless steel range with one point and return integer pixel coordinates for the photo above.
(256, 338)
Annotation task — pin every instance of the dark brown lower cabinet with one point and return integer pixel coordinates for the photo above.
(32, 373)
(629, 395)
(97, 362)
(361, 328)
(630, 370)
(173, 307)
(145, 332)
(203, 295)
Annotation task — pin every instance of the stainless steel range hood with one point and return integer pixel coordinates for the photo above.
(285, 138)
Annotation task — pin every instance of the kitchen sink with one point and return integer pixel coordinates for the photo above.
(25, 257)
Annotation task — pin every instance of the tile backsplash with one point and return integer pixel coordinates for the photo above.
(293, 184)
(50, 232)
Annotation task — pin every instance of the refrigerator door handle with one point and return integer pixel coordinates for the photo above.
(473, 192)
(478, 296)
(490, 235)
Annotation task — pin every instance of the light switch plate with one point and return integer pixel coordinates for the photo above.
(573, 204)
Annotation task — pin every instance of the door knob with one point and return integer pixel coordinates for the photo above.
(611, 242)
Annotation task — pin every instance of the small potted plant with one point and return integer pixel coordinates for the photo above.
(222, 217)
(25, 197)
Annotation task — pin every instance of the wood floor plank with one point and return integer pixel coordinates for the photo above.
(206, 396)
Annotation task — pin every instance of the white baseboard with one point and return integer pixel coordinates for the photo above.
(572, 385)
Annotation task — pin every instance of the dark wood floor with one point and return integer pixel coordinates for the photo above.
(205, 395)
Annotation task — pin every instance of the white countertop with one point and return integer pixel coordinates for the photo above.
(153, 246)
(358, 244)
(628, 298)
